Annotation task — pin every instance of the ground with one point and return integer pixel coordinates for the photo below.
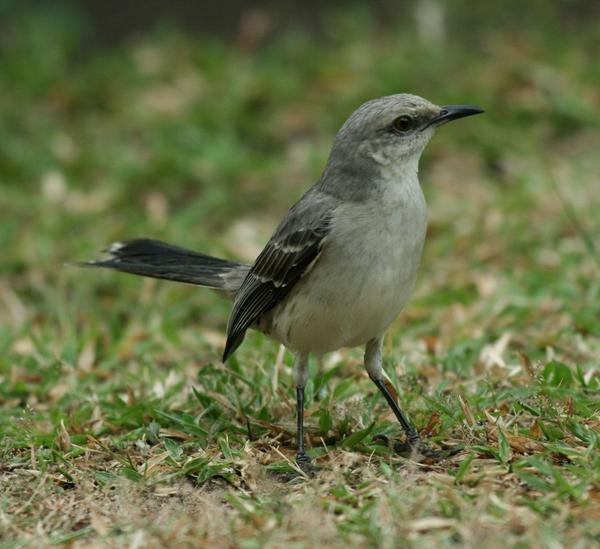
(121, 427)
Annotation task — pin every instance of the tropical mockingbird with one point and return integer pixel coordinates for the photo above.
(343, 261)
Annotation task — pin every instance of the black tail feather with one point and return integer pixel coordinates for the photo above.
(158, 259)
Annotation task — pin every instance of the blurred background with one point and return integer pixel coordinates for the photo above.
(201, 123)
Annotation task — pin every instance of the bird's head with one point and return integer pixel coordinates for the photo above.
(395, 128)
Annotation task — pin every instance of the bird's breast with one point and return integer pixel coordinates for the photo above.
(362, 279)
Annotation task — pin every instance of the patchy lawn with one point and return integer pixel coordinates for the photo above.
(120, 426)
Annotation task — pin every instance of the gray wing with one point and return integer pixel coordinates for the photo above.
(288, 255)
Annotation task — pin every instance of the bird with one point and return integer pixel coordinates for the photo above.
(343, 261)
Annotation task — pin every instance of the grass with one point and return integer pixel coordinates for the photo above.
(119, 424)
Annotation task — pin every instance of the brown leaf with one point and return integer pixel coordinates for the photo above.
(523, 445)
(431, 428)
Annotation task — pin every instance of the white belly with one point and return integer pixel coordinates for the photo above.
(361, 281)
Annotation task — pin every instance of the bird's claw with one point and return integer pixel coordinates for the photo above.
(415, 448)
(305, 464)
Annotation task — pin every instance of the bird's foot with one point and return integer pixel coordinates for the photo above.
(305, 464)
(304, 469)
(417, 449)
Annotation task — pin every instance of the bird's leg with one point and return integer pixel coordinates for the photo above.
(373, 360)
(300, 378)
(300, 453)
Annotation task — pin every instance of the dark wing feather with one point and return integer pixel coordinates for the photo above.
(285, 259)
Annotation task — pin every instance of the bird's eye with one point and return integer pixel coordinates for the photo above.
(403, 123)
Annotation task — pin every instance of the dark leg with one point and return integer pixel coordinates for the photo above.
(413, 445)
(301, 457)
(300, 377)
(377, 375)
(411, 433)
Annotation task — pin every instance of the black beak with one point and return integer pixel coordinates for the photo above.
(452, 112)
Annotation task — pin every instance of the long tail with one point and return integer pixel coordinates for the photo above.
(157, 259)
